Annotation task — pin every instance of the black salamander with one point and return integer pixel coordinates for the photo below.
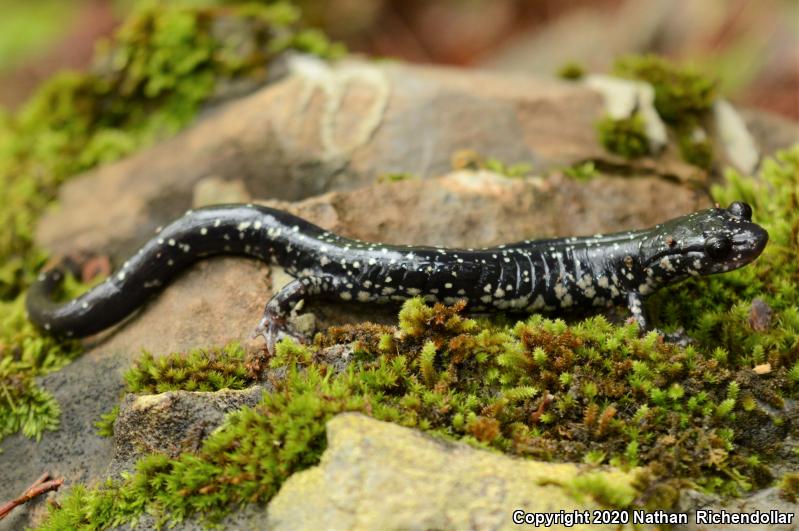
(531, 276)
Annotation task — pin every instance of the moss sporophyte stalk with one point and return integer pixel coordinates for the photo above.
(696, 416)
(148, 81)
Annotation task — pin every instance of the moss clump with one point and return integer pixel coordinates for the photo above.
(199, 370)
(147, 82)
(625, 137)
(105, 426)
(571, 71)
(696, 151)
(582, 172)
(681, 94)
(466, 159)
(601, 490)
(789, 487)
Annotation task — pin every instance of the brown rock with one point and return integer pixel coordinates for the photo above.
(324, 129)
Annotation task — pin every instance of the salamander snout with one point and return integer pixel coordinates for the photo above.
(735, 244)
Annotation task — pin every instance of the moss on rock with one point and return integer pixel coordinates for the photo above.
(625, 137)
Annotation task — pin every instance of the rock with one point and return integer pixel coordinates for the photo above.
(467, 208)
(214, 190)
(377, 475)
(322, 129)
(760, 314)
(771, 131)
(171, 423)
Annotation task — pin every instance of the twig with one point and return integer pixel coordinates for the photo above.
(39, 487)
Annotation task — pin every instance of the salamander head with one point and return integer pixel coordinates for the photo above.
(710, 241)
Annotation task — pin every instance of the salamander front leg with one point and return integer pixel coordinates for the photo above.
(635, 302)
(287, 301)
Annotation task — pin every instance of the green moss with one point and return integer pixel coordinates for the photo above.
(396, 177)
(147, 82)
(105, 426)
(602, 490)
(516, 170)
(625, 137)
(198, 370)
(789, 486)
(698, 152)
(683, 98)
(681, 94)
(582, 172)
(571, 71)
(467, 159)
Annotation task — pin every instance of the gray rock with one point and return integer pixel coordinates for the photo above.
(171, 423)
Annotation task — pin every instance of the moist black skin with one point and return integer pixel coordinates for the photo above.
(531, 275)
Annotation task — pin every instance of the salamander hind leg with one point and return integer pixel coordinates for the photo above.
(274, 324)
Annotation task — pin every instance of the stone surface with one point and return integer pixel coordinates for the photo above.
(376, 475)
(171, 423)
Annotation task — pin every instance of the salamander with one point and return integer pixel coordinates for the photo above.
(530, 275)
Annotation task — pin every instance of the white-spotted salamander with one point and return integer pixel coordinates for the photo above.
(532, 275)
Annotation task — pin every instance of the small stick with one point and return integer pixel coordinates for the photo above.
(40, 486)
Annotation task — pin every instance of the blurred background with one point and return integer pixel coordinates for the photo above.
(752, 46)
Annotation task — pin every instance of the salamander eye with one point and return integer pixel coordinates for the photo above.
(718, 247)
(741, 210)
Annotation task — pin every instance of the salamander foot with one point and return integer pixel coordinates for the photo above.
(274, 328)
(678, 337)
